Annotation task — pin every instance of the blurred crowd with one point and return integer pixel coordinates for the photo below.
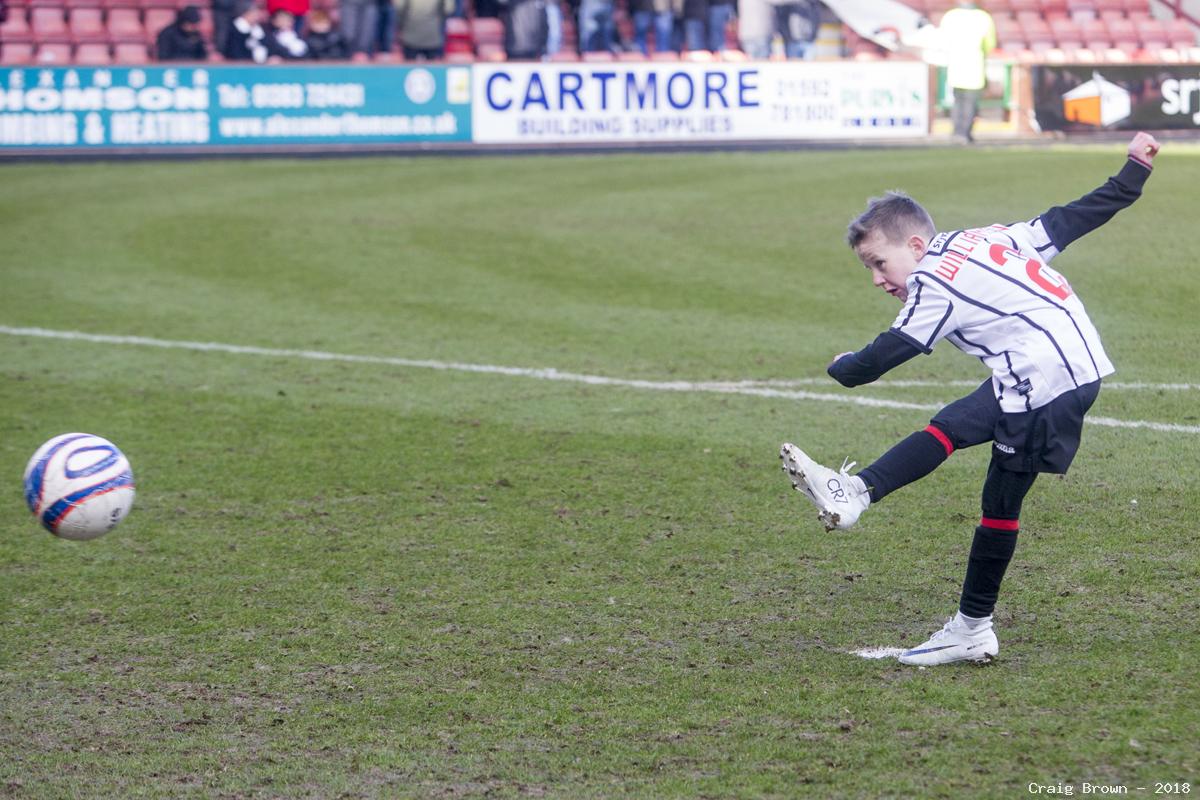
(286, 30)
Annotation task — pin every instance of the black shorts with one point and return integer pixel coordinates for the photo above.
(1042, 440)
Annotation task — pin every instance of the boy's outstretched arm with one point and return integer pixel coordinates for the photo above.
(1065, 224)
(888, 351)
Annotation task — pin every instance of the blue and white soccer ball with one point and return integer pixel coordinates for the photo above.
(79, 486)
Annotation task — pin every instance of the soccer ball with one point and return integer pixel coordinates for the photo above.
(79, 486)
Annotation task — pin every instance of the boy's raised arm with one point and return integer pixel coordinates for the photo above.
(1065, 224)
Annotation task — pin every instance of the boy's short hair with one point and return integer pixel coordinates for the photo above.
(896, 214)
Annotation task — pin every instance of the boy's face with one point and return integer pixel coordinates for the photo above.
(891, 262)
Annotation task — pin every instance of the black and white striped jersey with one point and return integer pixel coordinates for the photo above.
(992, 293)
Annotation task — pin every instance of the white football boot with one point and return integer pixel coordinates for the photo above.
(954, 642)
(839, 497)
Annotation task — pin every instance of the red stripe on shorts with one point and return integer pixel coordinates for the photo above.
(941, 437)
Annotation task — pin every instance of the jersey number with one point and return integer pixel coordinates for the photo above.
(1038, 272)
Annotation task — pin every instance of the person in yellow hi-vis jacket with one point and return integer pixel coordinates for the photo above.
(968, 35)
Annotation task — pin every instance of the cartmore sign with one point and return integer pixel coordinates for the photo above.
(175, 107)
(611, 102)
(1092, 98)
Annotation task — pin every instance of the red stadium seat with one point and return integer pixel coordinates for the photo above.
(48, 23)
(16, 52)
(1137, 7)
(53, 53)
(1026, 6)
(1081, 10)
(1152, 34)
(1121, 31)
(492, 52)
(1053, 9)
(1181, 33)
(564, 56)
(1109, 5)
(125, 25)
(93, 53)
(1068, 34)
(87, 25)
(156, 19)
(130, 53)
(16, 28)
(458, 36)
(487, 31)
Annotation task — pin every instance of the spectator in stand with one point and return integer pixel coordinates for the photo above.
(526, 29)
(596, 27)
(245, 39)
(654, 14)
(799, 22)
(554, 28)
(423, 27)
(297, 8)
(325, 42)
(360, 23)
(223, 12)
(969, 34)
(385, 28)
(719, 14)
(282, 39)
(181, 40)
(695, 24)
(756, 26)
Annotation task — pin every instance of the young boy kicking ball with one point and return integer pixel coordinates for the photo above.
(989, 292)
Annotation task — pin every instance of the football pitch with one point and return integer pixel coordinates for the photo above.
(458, 477)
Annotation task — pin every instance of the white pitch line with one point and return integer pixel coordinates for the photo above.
(929, 384)
(545, 374)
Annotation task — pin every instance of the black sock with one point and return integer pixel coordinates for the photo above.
(991, 551)
(911, 459)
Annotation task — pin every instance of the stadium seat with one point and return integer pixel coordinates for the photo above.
(1081, 10)
(1109, 5)
(1020, 7)
(1054, 9)
(1120, 30)
(16, 28)
(999, 8)
(87, 25)
(666, 55)
(96, 53)
(458, 36)
(16, 53)
(491, 52)
(1151, 33)
(130, 53)
(48, 24)
(564, 56)
(53, 53)
(486, 31)
(1181, 34)
(1137, 7)
(125, 25)
(156, 19)
(1067, 34)
(598, 56)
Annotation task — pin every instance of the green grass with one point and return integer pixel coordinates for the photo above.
(356, 580)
